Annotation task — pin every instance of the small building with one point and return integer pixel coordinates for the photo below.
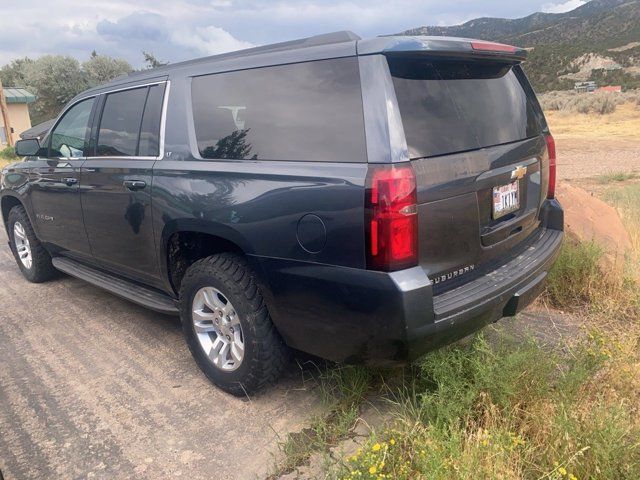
(613, 67)
(583, 87)
(18, 100)
(610, 89)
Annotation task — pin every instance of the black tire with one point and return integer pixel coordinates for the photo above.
(265, 354)
(41, 268)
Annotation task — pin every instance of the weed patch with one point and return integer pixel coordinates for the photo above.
(575, 276)
(506, 410)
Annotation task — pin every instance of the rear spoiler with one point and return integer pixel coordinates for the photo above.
(441, 46)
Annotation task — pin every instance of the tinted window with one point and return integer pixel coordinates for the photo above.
(150, 130)
(120, 123)
(68, 139)
(453, 106)
(307, 111)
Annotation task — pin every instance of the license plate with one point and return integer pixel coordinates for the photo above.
(506, 199)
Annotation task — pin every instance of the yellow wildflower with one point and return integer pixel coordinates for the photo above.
(572, 477)
(372, 469)
(392, 441)
(376, 447)
(562, 471)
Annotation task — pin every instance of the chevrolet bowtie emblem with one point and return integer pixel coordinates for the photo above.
(519, 172)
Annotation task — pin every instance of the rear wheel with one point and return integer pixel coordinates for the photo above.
(227, 326)
(34, 261)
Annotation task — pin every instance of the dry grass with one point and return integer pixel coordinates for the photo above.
(624, 123)
(599, 103)
(4, 162)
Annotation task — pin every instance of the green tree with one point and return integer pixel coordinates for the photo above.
(12, 74)
(151, 60)
(55, 79)
(101, 68)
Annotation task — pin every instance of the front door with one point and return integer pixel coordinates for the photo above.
(54, 182)
(116, 182)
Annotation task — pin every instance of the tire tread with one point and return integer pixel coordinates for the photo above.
(272, 354)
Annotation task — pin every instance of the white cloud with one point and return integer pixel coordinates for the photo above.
(562, 7)
(208, 40)
(175, 30)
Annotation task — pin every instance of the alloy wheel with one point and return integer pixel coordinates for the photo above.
(218, 328)
(22, 245)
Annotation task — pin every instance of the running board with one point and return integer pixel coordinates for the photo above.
(147, 297)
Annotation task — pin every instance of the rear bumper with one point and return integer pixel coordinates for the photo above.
(500, 293)
(360, 316)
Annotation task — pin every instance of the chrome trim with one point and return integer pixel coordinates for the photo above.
(163, 119)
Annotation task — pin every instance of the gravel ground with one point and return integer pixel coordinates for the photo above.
(92, 386)
(583, 158)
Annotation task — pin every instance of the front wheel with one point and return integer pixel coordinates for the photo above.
(32, 259)
(227, 326)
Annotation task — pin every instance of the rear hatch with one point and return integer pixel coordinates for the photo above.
(476, 138)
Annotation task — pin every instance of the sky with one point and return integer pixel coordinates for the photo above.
(175, 30)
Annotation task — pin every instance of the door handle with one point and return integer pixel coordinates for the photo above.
(134, 184)
(69, 181)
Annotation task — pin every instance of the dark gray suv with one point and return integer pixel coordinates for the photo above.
(360, 200)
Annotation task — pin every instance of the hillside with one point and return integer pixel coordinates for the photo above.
(564, 45)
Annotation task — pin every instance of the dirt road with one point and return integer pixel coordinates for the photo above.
(92, 386)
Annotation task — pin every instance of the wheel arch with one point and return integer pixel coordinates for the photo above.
(7, 203)
(185, 241)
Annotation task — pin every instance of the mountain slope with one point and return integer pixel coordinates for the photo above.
(559, 39)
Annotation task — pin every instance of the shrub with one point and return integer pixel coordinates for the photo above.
(9, 153)
(574, 275)
(601, 103)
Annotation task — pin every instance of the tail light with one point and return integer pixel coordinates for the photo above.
(551, 151)
(391, 217)
(493, 47)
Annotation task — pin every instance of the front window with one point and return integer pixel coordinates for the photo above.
(69, 138)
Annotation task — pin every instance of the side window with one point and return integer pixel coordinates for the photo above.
(120, 123)
(68, 138)
(309, 111)
(130, 123)
(150, 129)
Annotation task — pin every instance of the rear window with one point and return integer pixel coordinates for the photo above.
(308, 111)
(450, 106)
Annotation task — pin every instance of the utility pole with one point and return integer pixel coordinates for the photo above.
(5, 116)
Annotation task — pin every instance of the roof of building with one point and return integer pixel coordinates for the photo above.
(610, 88)
(18, 95)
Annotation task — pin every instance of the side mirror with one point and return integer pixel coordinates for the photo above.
(27, 147)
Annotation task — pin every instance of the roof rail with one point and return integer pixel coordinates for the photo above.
(317, 40)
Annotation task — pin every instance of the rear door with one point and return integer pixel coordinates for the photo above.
(475, 134)
(116, 181)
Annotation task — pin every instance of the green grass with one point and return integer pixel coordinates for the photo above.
(616, 177)
(575, 276)
(8, 153)
(626, 199)
(505, 410)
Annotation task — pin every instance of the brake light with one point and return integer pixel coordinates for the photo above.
(391, 206)
(493, 47)
(551, 151)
